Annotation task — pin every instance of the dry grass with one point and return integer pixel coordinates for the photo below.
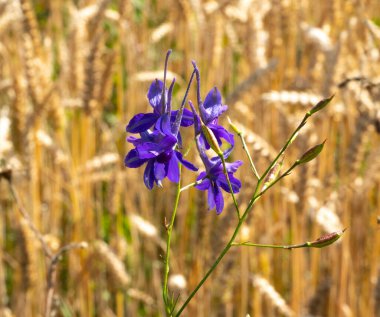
(73, 72)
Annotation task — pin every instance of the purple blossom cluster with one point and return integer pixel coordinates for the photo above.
(160, 140)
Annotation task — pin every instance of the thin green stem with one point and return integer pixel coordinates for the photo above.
(230, 185)
(258, 245)
(191, 185)
(245, 148)
(212, 268)
(288, 142)
(222, 253)
(168, 241)
(272, 246)
(256, 195)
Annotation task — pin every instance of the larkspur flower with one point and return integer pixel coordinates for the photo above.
(144, 121)
(210, 110)
(158, 147)
(160, 99)
(213, 178)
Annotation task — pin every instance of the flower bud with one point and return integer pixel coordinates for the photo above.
(211, 139)
(311, 153)
(320, 105)
(234, 127)
(326, 239)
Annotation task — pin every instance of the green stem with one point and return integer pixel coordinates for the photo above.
(230, 186)
(212, 268)
(167, 256)
(288, 142)
(256, 195)
(222, 253)
(245, 148)
(277, 179)
(272, 246)
(191, 185)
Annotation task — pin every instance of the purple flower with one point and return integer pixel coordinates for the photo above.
(144, 121)
(210, 110)
(212, 107)
(157, 149)
(213, 179)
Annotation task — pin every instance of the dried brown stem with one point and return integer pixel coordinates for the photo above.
(52, 273)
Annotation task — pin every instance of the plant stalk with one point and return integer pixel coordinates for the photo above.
(168, 241)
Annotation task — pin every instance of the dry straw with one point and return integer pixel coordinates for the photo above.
(73, 72)
(103, 253)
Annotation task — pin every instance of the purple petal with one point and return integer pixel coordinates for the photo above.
(201, 175)
(132, 139)
(163, 124)
(148, 150)
(232, 167)
(221, 133)
(213, 98)
(155, 93)
(151, 149)
(185, 163)
(211, 198)
(149, 175)
(212, 107)
(173, 169)
(235, 183)
(219, 201)
(159, 171)
(203, 142)
(132, 159)
(204, 185)
(216, 169)
(141, 122)
(187, 117)
(226, 154)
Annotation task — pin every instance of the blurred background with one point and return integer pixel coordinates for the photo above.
(72, 74)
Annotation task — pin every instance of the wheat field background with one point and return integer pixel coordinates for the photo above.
(73, 72)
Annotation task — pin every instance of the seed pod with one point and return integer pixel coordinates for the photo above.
(320, 105)
(273, 174)
(311, 153)
(326, 239)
